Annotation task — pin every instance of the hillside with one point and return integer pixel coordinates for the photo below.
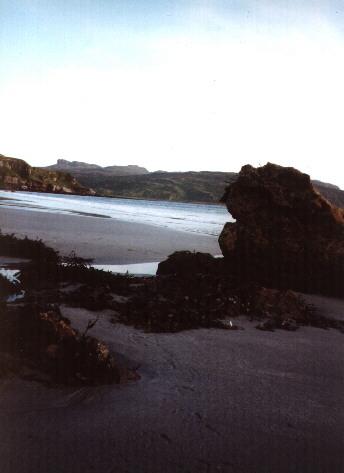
(135, 182)
(16, 174)
(78, 168)
(332, 193)
(176, 186)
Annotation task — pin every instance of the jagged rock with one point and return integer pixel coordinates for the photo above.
(286, 234)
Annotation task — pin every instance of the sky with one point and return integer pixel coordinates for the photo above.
(174, 85)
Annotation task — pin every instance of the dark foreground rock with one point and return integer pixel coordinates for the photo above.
(172, 305)
(181, 263)
(185, 296)
(286, 234)
(41, 339)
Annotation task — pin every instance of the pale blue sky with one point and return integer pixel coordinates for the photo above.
(174, 85)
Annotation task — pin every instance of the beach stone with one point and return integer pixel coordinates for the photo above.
(286, 234)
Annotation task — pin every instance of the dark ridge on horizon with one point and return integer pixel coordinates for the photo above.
(82, 167)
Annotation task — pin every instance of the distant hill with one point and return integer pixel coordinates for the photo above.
(175, 186)
(137, 182)
(16, 174)
(324, 184)
(80, 168)
(331, 192)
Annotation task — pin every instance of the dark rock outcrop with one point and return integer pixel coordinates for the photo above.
(181, 263)
(286, 234)
(41, 339)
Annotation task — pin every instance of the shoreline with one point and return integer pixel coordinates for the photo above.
(196, 202)
(104, 240)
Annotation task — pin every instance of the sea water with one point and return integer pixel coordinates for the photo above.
(187, 217)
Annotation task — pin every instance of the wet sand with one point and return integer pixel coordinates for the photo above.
(208, 401)
(105, 240)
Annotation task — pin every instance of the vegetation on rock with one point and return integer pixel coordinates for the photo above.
(40, 338)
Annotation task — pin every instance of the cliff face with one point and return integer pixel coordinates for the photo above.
(16, 174)
(286, 233)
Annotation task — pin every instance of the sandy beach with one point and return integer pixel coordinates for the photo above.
(208, 401)
(105, 240)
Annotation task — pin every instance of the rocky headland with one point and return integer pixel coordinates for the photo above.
(17, 175)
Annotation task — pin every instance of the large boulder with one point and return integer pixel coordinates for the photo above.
(286, 234)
